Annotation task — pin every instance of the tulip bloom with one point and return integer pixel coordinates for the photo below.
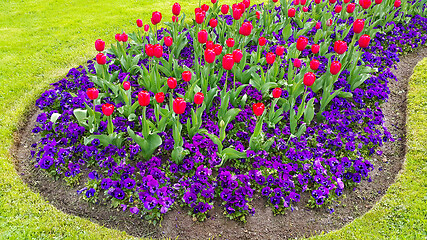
(143, 98)
(200, 17)
(237, 13)
(126, 85)
(237, 55)
(101, 59)
(358, 25)
(315, 48)
(156, 17)
(230, 42)
(340, 47)
(224, 9)
(247, 3)
(365, 4)
(227, 61)
(217, 49)
(258, 108)
(309, 79)
(176, 9)
(210, 45)
(317, 1)
(258, 14)
(124, 37)
(172, 82)
(149, 50)
(335, 67)
(277, 92)
(338, 8)
(99, 45)
(107, 109)
(297, 63)
(168, 41)
(160, 97)
(198, 98)
(262, 41)
(329, 22)
(291, 12)
(186, 76)
(213, 23)
(175, 18)
(378, 1)
(314, 64)
(92, 93)
(270, 58)
(397, 3)
(246, 29)
(364, 40)
(205, 7)
(318, 25)
(146, 27)
(202, 36)
(302, 43)
(179, 105)
(139, 23)
(118, 37)
(158, 51)
(305, 9)
(332, 1)
(210, 55)
(213, 1)
(280, 50)
(351, 7)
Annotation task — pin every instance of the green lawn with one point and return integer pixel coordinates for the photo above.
(42, 39)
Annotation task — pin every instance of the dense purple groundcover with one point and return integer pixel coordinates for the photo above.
(330, 156)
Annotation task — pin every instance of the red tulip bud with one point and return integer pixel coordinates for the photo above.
(202, 36)
(179, 105)
(237, 55)
(317, 1)
(118, 37)
(340, 47)
(176, 9)
(160, 97)
(302, 43)
(149, 50)
(224, 9)
(92, 93)
(358, 25)
(227, 61)
(124, 37)
(168, 41)
(329, 22)
(99, 45)
(246, 29)
(200, 17)
(107, 109)
(280, 50)
(309, 79)
(143, 98)
(314, 64)
(296, 2)
(270, 58)
(198, 98)
(230, 42)
(237, 13)
(126, 85)
(364, 41)
(186, 76)
(291, 12)
(205, 7)
(303, 2)
(210, 55)
(346, 1)
(213, 1)
(277, 92)
(332, 1)
(158, 51)
(172, 83)
(217, 49)
(210, 45)
(258, 14)
(275, 1)
(146, 27)
(213, 23)
(351, 7)
(174, 18)
(397, 3)
(378, 1)
(101, 59)
(139, 22)
(262, 41)
(335, 67)
(365, 3)
(247, 3)
(305, 9)
(297, 63)
(338, 8)
(156, 17)
(258, 108)
(315, 48)
(318, 25)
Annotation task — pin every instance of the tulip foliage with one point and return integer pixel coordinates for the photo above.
(217, 109)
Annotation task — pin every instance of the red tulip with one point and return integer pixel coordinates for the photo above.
(332, 1)
(227, 61)
(291, 12)
(280, 50)
(176, 9)
(92, 93)
(358, 25)
(335, 67)
(139, 22)
(315, 48)
(237, 55)
(246, 29)
(338, 8)
(305, 9)
(217, 49)
(99, 45)
(318, 25)
(397, 3)
(230, 42)
(365, 3)
(143, 98)
(101, 59)
(179, 105)
(160, 97)
(242, 7)
(297, 63)
(202, 36)
(168, 41)
(302, 43)
(296, 2)
(270, 58)
(258, 14)
(314, 64)
(317, 1)
(237, 13)
(329, 22)
(346, 1)
(174, 18)
(118, 37)
(107, 109)
(247, 3)
(200, 17)
(277, 92)
(351, 7)
(303, 2)
(262, 41)
(149, 50)
(210, 45)
(309, 79)
(378, 1)
(224, 9)
(213, 23)
(275, 1)
(126, 85)
(158, 51)
(258, 108)
(210, 55)
(205, 7)
(198, 98)
(172, 83)
(364, 40)
(340, 47)
(213, 1)
(156, 17)
(146, 27)
(124, 37)
(186, 76)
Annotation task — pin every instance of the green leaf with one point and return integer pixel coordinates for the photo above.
(54, 117)
(232, 153)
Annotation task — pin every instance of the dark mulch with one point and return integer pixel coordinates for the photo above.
(263, 225)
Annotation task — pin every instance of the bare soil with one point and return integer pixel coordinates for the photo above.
(302, 222)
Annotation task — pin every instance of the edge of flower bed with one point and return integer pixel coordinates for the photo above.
(399, 213)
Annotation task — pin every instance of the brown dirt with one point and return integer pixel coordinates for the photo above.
(263, 225)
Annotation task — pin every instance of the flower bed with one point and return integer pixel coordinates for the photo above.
(158, 128)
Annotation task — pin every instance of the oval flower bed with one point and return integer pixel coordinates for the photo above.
(272, 100)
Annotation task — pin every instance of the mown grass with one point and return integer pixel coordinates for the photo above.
(42, 39)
